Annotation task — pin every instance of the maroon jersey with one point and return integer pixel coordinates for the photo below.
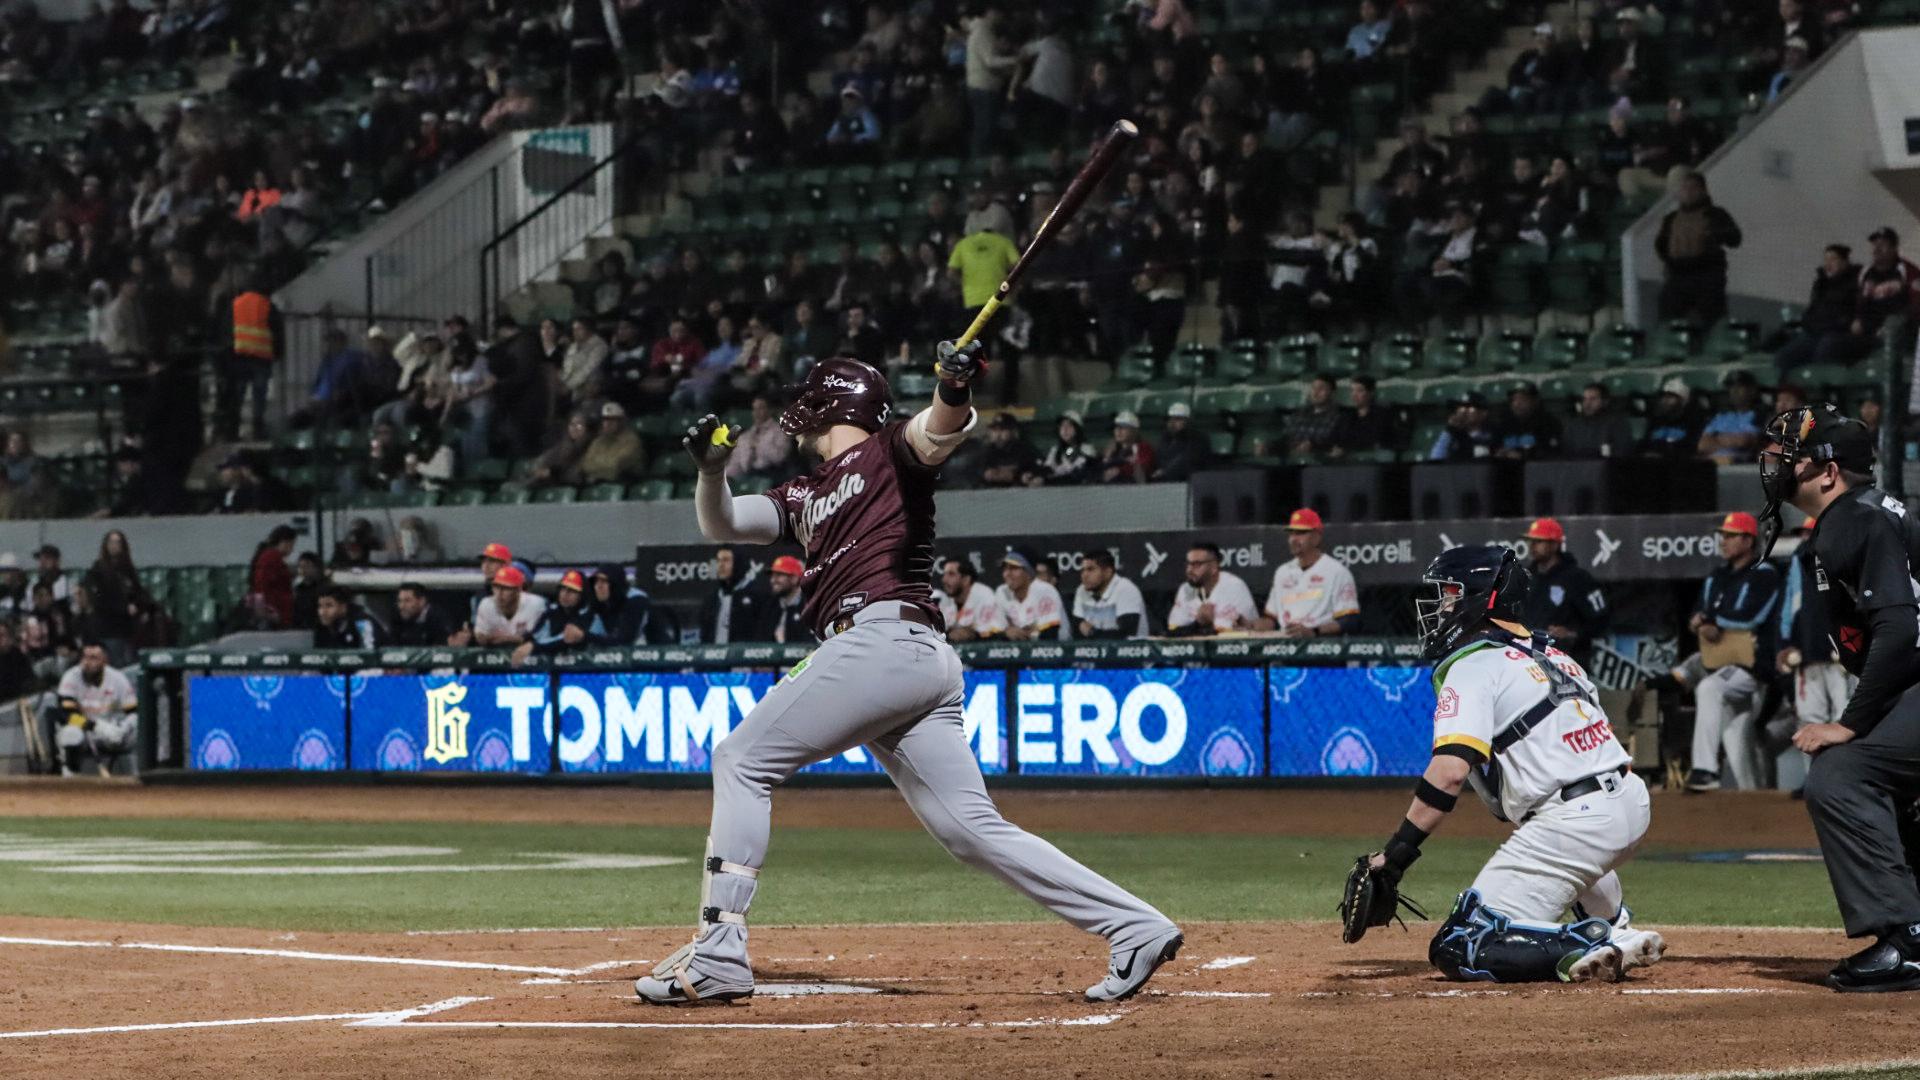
(866, 520)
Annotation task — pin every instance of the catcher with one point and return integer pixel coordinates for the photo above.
(1517, 719)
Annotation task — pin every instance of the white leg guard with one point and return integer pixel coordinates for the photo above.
(726, 974)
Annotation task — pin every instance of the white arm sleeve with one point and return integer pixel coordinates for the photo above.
(728, 518)
(934, 449)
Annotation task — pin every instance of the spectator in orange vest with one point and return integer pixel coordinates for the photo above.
(260, 198)
(257, 340)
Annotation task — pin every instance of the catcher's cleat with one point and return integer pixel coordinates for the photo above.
(1129, 969)
(1602, 963)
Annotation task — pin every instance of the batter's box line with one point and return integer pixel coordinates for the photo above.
(1097, 1020)
(358, 1019)
(1860, 1068)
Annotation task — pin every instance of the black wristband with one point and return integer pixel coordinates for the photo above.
(956, 394)
(1404, 848)
(1427, 793)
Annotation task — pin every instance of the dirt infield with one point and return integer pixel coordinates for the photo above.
(1268, 999)
(1244, 999)
(1764, 819)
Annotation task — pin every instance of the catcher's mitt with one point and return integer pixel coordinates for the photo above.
(1372, 898)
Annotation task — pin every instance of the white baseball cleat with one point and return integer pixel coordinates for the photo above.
(1129, 969)
(675, 982)
(1640, 948)
(1602, 963)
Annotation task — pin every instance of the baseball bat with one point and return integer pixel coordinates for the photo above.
(1083, 185)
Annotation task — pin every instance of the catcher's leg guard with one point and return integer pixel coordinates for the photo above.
(713, 967)
(1479, 944)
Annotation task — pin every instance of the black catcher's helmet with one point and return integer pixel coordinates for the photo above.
(1816, 433)
(839, 390)
(1471, 585)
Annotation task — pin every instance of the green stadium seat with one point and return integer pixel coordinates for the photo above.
(1731, 339)
(1505, 351)
(1515, 280)
(510, 496)
(1398, 391)
(1237, 363)
(491, 470)
(1344, 356)
(655, 490)
(1452, 354)
(1186, 367)
(1616, 346)
(1136, 369)
(1573, 285)
(463, 496)
(1673, 343)
(604, 493)
(1293, 357)
(1559, 349)
(1397, 355)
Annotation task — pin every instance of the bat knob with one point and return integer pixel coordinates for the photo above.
(722, 435)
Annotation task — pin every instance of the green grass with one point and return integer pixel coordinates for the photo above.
(812, 876)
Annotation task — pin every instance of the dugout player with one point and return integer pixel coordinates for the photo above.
(1519, 719)
(1740, 598)
(1563, 599)
(1107, 604)
(1313, 593)
(971, 610)
(884, 676)
(1865, 774)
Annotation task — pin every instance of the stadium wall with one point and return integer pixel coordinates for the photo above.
(1830, 161)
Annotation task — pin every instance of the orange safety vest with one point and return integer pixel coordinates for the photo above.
(252, 330)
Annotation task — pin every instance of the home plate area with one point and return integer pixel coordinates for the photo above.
(1280, 999)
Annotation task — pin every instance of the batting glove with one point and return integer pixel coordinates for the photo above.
(958, 365)
(708, 443)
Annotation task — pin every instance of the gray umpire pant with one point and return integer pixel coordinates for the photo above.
(1860, 795)
(896, 687)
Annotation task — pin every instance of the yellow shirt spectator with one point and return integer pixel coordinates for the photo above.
(983, 260)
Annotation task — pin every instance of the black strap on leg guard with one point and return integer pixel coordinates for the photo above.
(1479, 944)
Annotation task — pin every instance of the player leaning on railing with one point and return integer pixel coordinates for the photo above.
(1518, 719)
(884, 675)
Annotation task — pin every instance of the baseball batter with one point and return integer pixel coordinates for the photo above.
(884, 677)
(1518, 719)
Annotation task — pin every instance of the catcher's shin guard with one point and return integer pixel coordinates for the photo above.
(1479, 944)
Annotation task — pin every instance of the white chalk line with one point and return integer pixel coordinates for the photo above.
(1894, 1065)
(1712, 990)
(122, 1029)
(1099, 1020)
(1211, 993)
(394, 1019)
(1224, 962)
(521, 930)
(299, 954)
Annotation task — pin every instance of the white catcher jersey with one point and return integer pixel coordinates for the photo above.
(982, 613)
(1312, 596)
(1041, 612)
(1485, 687)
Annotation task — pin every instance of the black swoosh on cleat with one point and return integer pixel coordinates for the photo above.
(1122, 973)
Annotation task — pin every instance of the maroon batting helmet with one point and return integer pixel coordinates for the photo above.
(839, 390)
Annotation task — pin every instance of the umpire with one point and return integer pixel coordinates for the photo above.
(1866, 766)
(1563, 601)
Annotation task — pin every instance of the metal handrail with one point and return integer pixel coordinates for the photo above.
(489, 252)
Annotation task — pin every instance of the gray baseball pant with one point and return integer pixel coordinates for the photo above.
(896, 687)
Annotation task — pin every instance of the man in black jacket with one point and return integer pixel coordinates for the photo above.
(739, 607)
(1183, 451)
(1693, 243)
(789, 601)
(1563, 601)
(1866, 766)
(417, 621)
(1825, 325)
(570, 622)
(343, 624)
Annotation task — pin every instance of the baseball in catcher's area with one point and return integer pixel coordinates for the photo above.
(1520, 721)
(883, 677)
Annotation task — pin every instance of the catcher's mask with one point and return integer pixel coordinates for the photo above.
(838, 390)
(1816, 434)
(1470, 586)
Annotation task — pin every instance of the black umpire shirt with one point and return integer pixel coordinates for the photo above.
(1567, 596)
(1863, 549)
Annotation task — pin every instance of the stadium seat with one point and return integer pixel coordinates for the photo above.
(1397, 355)
(655, 490)
(1673, 343)
(510, 496)
(463, 496)
(1505, 351)
(1451, 354)
(604, 493)
(1515, 281)
(1237, 363)
(1344, 356)
(558, 494)
(1616, 346)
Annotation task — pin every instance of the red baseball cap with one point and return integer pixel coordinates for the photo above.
(572, 579)
(787, 564)
(1740, 522)
(497, 550)
(1304, 519)
(511, 577)
(1544, 529)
